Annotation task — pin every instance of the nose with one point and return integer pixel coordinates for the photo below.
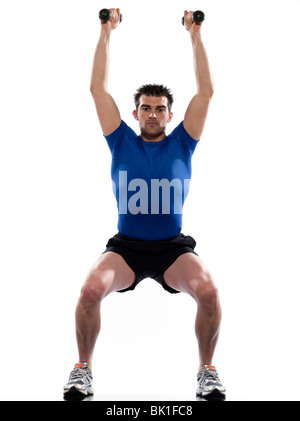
(153, 114)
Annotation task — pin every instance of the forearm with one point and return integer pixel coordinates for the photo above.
(201, 65)
(99, 79)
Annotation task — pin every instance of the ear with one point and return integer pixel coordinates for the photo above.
(170, 117)
(135, 114)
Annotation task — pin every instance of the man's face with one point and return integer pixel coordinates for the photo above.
(153, 116)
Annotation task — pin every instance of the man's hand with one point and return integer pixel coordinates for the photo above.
(189, 24)
(113, 22)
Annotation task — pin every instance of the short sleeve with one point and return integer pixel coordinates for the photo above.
(114, 139)
(119, 138)
(189, 144)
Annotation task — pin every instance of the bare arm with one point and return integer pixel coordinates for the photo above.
(107, 110)
(196, 112)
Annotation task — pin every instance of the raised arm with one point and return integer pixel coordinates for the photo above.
(196, 112)
(107, 110)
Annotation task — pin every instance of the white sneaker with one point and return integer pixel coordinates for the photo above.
(80, 381)
(209, 383)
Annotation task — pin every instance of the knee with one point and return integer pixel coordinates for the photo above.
(206, 293)
(93, 290)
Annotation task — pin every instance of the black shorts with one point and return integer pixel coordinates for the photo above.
(150, 259)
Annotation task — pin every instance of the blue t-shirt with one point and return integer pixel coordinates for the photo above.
(150, 181)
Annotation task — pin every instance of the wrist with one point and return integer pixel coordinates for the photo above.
(195, 36)
(105, 34)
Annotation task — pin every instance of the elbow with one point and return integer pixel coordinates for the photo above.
(211, 92)
(92, 89)
(97, 84)
(96, 89)
(206, 91)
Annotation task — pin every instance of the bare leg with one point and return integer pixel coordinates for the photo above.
(188, 274)
(110, 273)
(207, 326)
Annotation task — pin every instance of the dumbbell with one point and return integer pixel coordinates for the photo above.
(197, 17)
(105, 16)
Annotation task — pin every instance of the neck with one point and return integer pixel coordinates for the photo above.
(152, 138)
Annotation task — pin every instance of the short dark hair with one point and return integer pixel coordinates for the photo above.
(153, 90)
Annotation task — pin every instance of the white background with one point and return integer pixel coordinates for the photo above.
(58, 210)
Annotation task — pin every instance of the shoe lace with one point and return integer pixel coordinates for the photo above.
(79, 374)
(209, 375)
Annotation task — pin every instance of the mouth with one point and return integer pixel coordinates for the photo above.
(152, 123)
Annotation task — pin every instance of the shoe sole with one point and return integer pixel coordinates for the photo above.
(214, 394)
(75, 393)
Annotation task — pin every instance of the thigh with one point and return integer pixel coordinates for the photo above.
(188, 274)
(110, 273)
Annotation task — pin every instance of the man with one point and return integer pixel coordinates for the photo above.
(151, 174)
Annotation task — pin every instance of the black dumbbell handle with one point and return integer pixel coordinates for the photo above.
(197, 17)
(105, 16)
